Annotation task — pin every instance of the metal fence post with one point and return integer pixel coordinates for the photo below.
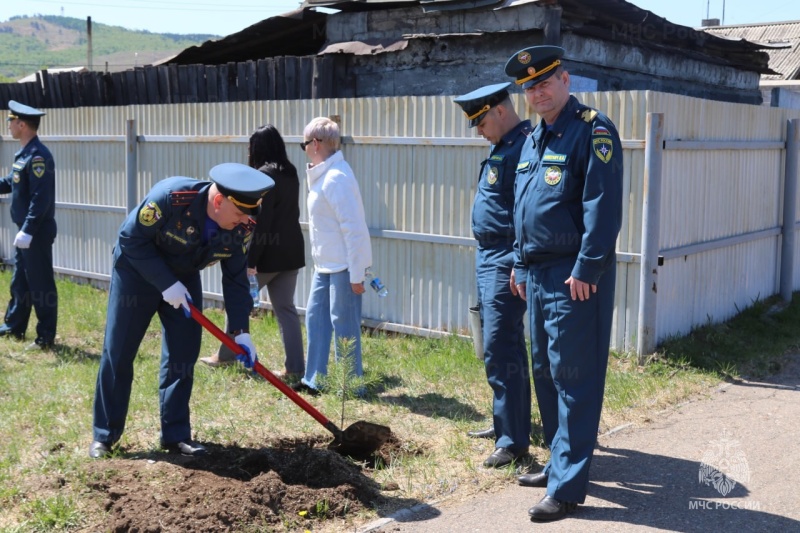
(130, 165)
(789, 209)
(651, 223)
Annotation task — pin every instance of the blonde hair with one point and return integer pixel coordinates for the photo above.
(325, 131)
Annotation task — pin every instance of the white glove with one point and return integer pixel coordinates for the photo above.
(23, 240)
(175, 295)
(249, 358)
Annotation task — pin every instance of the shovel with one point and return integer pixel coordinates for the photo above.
(359, 439)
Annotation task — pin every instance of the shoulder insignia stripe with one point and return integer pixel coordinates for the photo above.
(588, 115)
(182, 197)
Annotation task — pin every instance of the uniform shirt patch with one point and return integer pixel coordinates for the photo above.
(149, 214)
(37, 165)
(16, 177)
(554, 158)
(173, 236)
(600, 130)
(603, 148)
(222, 256)
(497, 157)
(523, 165)
(552, 176)
(492, 177)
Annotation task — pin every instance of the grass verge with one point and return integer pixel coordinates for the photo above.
(429, 391)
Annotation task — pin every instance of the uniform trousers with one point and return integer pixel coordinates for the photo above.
(132, 302)
(33, 286)
(505, 354)
(570, 344)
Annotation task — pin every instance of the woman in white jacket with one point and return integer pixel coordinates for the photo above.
(340, 248)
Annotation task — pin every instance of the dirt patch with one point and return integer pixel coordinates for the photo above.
(285, 487)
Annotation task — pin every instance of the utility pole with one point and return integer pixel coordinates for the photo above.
(89, 41)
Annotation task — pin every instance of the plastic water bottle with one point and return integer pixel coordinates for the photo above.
(253, 289)
(376, 283)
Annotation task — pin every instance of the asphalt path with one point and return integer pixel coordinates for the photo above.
(727, 462)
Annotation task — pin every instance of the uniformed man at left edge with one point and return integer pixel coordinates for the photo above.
(32, 186)
(182, 226)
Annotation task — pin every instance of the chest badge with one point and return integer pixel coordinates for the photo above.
(16, 177)
(189, 230)
(492, 177)
(149, 214)
(552, 176)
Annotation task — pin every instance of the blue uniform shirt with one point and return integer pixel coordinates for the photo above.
(492, 211)
(163, 240)
(568, 197)
(32, 184)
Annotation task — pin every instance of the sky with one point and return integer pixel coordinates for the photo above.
(230, 16)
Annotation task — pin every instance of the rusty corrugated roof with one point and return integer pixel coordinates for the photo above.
(780, 38)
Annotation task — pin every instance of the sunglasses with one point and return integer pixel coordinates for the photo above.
(304, 144)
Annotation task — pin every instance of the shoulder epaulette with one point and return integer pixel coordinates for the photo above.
(179, 198)
(587, 114)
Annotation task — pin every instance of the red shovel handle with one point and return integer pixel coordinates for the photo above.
(258, 367)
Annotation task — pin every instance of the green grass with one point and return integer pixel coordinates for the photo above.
(429, 391)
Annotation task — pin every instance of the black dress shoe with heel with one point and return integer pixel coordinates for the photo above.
(549, 509)
(502, 457)
(99, 450)
(481, 434)
(185, 447)
(539, 479)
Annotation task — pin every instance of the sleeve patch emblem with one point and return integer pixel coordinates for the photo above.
(149, 214)
(38, 167)
(552, 176)
(603, 148)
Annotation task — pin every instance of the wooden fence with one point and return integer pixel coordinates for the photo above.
(278, 78)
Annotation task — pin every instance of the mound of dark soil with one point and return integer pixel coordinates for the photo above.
(285, 487)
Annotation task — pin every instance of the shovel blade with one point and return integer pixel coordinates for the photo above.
(360, 439)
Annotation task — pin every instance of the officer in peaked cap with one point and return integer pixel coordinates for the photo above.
(477, 103)
(182, 226)
(490, 110)
(567, 216)
(244, 186)
(24, 112)
(534, 65)
(33, 190)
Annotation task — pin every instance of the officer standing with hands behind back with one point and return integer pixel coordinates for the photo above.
(489, 109)
(182, 226)
(32, 185)
(567, 215)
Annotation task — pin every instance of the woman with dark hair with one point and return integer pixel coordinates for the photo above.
(277, 249)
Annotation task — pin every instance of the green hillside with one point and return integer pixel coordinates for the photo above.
(28, 44)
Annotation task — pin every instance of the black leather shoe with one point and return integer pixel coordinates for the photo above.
(502, 457)
(539, 479)
(185, 447)
(482, 434)
(550, 508)
(7, 331)
(99, 450)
